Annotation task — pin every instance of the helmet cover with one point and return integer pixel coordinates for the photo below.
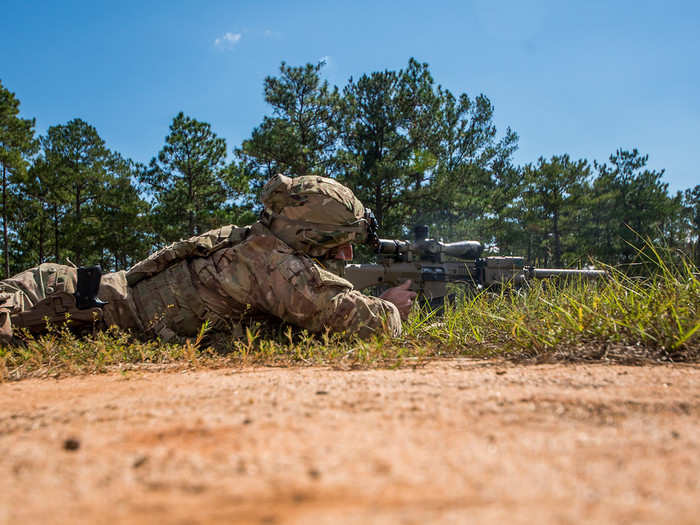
(313, 214)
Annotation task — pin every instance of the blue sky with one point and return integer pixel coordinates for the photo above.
(583, 78)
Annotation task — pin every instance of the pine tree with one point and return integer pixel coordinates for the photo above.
(187, 180)
(388, 122)
(124, 236)
(75, 172)
(17, 142)
(300, 136)
(552, 197)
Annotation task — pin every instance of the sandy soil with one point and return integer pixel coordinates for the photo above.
(457, 441)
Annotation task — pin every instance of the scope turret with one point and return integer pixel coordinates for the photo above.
(420, 232)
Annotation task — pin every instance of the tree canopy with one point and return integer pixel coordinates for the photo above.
(17, 143)
(411, 150)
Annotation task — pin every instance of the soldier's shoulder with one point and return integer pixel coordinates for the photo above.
(260, 237)
(198, 246)
(219, 237)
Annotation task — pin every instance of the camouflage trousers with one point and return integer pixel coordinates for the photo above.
(23, 291)
(34, 290)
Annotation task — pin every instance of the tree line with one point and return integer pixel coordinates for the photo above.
(412, 151)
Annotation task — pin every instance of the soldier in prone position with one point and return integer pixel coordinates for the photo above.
(274, 268)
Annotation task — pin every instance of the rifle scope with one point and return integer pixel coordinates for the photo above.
(429, 249)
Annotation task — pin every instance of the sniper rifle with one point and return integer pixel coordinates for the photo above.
(431, 265)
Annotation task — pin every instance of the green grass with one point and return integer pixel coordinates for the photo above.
(621, 319)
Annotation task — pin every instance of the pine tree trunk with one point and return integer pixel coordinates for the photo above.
(557, 241)
(378, 205)
(55, 232)
(190, 217)
(41, 235)
(197, 225)
(5, 241)
(78, 218)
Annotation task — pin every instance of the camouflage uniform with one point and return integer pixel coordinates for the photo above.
(235, 274)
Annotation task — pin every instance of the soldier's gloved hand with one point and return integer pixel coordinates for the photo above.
(401, 297)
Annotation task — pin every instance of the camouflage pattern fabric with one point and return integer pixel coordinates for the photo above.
(23, 291)
(225, 277)
(311, 198)
(313, 214)
(26, 290)
(258, 277)
(5, 324)
(199, 246)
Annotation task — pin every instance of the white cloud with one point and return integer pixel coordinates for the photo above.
(275, 35)
(228, 40)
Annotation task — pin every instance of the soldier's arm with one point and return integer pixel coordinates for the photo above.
(298, 291)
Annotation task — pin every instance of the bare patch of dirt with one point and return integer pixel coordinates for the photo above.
(452, 442)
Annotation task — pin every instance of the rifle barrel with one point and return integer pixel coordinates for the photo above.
(544, 273)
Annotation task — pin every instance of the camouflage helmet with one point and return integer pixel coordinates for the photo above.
(313, 214)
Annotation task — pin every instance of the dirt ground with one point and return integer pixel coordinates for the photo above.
(456, 441)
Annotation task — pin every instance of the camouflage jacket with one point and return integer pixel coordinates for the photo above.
(227, 277)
